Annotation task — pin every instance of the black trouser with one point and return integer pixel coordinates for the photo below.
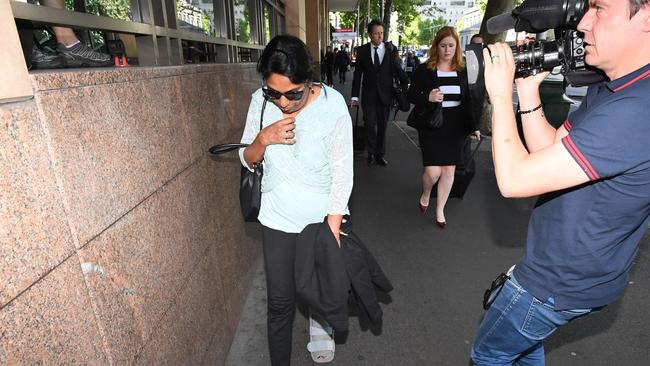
(375, 118)
(279, 255)
(330, 78)
(342, 71)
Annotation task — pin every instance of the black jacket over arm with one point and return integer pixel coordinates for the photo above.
(377, 80)
(425, 80)
(324, 274)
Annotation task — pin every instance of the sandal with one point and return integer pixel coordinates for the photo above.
(321, 345)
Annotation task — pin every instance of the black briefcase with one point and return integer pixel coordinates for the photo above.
(358, 133)
(465, 171)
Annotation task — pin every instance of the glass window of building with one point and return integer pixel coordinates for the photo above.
(242, 21)
(196, 16)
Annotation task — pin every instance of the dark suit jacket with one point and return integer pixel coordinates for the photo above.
(324, 273)
(425, 80)
(342, 59)
(377, 83)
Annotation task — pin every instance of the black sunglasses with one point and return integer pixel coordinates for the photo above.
(489, 296)
(290, 95)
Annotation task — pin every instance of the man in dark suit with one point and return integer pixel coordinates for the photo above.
(342, 60)
(378, 64)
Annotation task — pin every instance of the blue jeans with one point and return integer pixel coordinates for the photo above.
(515, 326)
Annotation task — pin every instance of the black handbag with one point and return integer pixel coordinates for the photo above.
(425, 118)
(401, 99)
(400, 96)
(250, 187)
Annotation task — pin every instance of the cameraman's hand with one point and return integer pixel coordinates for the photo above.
(529, 86)
(499, 72)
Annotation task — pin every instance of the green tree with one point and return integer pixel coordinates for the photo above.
(205, 23)
(428, 28)
(347, 19)
(116, 9)
(406, 12)
(244, 29)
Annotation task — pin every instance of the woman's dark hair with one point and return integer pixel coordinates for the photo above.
(288, 56)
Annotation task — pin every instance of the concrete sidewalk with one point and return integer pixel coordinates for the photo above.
(440, 275)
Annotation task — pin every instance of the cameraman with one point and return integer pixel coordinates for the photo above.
(593, 178)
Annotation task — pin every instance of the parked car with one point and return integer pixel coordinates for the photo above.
(422, 55)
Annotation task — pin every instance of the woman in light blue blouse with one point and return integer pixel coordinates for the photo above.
(305, 146)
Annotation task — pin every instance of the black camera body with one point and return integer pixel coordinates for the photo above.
(566, 51)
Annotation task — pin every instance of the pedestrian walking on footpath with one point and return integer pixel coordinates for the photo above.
(342, 60)
(305, 146)
(377, 65)
(442, 80)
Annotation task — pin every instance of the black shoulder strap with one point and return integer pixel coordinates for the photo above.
(263, 108)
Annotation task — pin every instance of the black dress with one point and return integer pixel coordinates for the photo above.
(443, 145)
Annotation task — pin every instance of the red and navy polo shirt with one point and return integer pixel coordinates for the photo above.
(581, 241)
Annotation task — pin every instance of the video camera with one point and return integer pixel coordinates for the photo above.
(566, 51)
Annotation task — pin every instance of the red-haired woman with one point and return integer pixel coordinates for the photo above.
(443, 79)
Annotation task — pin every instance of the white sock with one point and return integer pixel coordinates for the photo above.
(78, 41)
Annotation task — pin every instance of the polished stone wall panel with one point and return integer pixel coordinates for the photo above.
(34, 231)
(146, 259)
(111, 174)
(239, 241)
(52, 323)
(114, 146)
(186, 332)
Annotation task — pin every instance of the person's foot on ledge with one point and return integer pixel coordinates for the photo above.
(80, 55)
(46, 60)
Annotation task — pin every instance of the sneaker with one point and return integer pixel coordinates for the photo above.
(46, 60)
(81, 55)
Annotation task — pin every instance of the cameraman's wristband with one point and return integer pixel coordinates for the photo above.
(531, 110)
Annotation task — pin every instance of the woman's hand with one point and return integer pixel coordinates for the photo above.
(499, 71)
(436, 96)
(280, 132)
(334, 222)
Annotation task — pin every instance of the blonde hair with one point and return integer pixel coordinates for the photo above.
(457, 61)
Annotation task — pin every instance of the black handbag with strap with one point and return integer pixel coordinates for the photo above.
(426, 117)
(250, 188)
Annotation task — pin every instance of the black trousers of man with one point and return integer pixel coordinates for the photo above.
(342, 71)
(375, 118)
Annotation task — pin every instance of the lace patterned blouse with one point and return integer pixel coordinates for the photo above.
(312, 178)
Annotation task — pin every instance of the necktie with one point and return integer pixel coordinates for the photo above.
(376, 57)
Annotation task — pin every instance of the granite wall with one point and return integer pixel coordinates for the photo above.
(121, 241)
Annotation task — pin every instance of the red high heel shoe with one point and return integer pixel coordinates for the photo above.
(423, 208)
(442, 224)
